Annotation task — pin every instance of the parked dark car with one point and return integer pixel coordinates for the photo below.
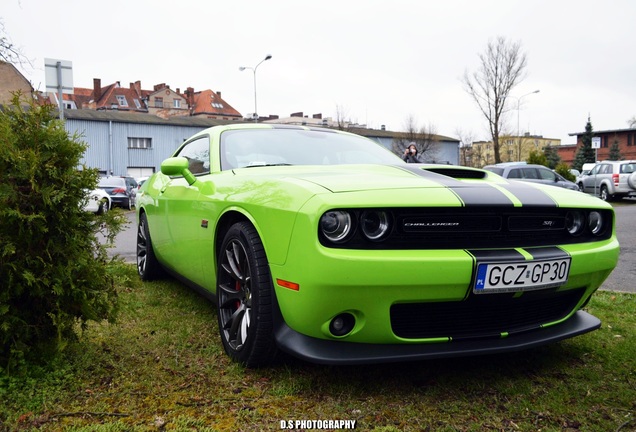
(122, 190)
(531, 173)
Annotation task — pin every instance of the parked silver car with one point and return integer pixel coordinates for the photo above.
(531, 173)
(611, 180)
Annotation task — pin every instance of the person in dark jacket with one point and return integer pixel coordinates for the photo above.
(410, 154)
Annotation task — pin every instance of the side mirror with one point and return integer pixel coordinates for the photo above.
(177, 166)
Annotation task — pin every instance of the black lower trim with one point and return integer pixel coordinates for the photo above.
(342, 353)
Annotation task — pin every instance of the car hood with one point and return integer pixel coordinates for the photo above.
(416, 182)
(350, 178)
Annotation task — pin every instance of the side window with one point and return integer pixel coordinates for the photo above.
(596, 170)
(530, 173)
(547, 174)
(606, 169)
(514, 173)
(197, 153)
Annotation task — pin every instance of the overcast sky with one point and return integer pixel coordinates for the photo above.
(380, 61)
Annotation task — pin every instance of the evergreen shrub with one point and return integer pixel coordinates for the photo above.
(55, 273)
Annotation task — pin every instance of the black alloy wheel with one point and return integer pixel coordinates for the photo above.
(148, 266)
(244, 297)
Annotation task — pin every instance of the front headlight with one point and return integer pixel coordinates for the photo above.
(336, 225)
(374, 224)
(574, 222)
(595, 223)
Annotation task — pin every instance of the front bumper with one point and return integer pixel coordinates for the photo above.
(336, 352)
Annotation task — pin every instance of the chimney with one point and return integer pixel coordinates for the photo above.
(317, 116)
(97, 89)
(190, 95)
(382, 127)
(136, 87)
(296, 114)
(219, 94)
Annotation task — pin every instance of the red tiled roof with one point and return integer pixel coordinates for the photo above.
(207, 102)
(201, 103)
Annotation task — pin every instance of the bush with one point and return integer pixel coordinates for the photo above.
(537, 158)
(564, 170)
(54, 272)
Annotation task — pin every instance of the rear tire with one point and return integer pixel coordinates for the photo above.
(244, 297)
(148, 266)
(604, 194)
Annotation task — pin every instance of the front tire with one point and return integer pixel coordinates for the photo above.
(148, 266)
(244, 296)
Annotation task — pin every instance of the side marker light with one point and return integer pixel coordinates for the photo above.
(287, 284)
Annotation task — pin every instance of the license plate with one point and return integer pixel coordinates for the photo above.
(521, 275)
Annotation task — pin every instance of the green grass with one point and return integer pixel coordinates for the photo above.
(162, 367)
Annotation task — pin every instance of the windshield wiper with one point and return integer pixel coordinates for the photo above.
(266, 165)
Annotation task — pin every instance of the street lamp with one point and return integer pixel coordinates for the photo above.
(253, 69)
(518, 108)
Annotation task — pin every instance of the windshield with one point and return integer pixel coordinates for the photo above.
(265, 147)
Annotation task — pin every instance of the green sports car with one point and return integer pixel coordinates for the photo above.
(327, 246)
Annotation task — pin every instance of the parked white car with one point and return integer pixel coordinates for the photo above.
(98, 202)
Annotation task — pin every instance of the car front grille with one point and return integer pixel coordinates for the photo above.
(482, 315)
(471, 228)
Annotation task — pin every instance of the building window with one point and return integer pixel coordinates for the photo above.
(158, 102)
(177, 103)
(139, 143)
(137, 103)
(121, 100)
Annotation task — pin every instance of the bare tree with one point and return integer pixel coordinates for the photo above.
(502, 68)
(632, 122)
(9, 52)
(425, 139)
(342, 121)
(466, 139)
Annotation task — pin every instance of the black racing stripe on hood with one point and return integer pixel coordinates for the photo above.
(528, 195)
(471, 195)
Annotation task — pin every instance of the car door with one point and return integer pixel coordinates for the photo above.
(591, 182)
(180, 211)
